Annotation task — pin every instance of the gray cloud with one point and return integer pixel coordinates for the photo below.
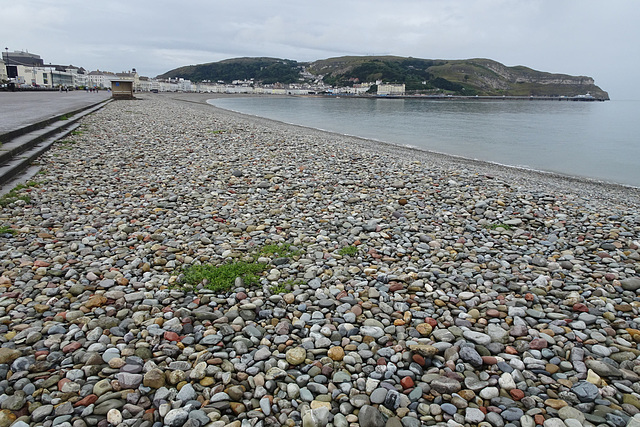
(586, 37)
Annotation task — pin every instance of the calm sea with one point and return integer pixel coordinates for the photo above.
(599, 140)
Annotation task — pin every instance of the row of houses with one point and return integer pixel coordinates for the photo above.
(25, 69)
(383, 89)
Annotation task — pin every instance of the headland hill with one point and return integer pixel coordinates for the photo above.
(392, 76)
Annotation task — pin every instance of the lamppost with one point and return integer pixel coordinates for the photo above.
(6, 49)
(51, 72)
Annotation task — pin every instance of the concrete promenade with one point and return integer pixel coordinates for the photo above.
(19, 109)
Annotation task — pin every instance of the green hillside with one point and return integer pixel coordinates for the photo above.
(263, 70)
(350, 70)
(460, 77)
(469, 77)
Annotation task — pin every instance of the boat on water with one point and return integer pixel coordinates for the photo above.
(586, 97)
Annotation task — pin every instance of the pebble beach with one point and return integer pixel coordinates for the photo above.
(409, 288)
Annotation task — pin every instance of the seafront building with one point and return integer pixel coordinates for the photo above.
(391, 89)
(22, 58)
(100, 79)
(26, 69)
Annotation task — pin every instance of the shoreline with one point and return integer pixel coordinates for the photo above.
(474, 98)
(391, 286)
(557, 180)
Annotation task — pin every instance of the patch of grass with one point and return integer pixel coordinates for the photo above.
(76, 132)
(284, 287)
(348, 250)
(5, 229)
(280, 288)
(221, 278)
(13, 195)
(281, 250)
(64, 117)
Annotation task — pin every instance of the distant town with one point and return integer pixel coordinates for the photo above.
(354, 76)
(24, 70)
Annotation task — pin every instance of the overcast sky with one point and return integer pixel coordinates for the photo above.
(581, 37)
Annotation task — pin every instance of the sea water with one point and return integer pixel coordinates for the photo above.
(598, 140)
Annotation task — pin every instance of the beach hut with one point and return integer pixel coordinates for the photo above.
(122, 89)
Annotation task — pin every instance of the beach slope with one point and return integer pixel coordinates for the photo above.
(390, 286)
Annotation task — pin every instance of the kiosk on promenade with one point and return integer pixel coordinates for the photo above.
(122, 89)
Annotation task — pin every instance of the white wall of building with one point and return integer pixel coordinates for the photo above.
(3, 71)
(101, 80)
(43, 77)
(391, 89)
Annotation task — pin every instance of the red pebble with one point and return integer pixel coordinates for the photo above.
(580, 307)
(418, 359)
(71, 347)
(538, 344)
(516, 394)
(430, 320)
(539, 419)
(407, 382)
(86, 401)
(171, 336)
(510, 350)
(396, 287)
(489, 360)
(11, 294)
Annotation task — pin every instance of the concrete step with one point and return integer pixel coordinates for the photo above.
(8, 136)
(21, 161)
(24, 145)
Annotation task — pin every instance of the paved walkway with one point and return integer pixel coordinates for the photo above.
(19, 109)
